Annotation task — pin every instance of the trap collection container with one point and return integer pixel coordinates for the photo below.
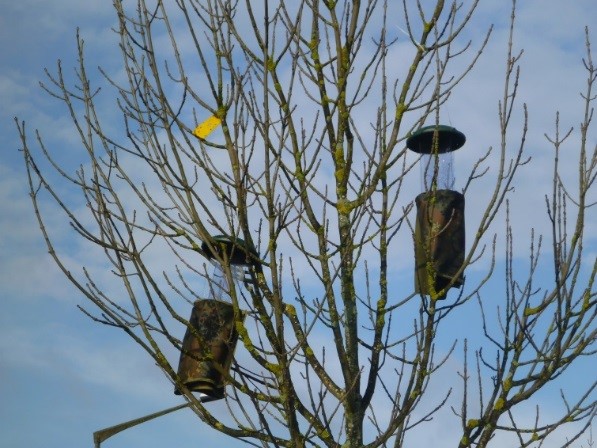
(209, 342)
(439, 228)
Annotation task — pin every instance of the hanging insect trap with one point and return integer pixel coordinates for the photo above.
(439, 228)
(209, 342)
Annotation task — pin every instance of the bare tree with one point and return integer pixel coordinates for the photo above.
(332, 350)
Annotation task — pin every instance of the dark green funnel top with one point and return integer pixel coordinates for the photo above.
(449, 139)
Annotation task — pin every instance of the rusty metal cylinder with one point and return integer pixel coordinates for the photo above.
(439, 241)
(207, 352)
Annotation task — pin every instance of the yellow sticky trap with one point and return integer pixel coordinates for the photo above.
(207, 127)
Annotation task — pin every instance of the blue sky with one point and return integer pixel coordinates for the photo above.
(62, 376)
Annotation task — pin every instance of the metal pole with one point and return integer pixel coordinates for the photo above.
(106, 433)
